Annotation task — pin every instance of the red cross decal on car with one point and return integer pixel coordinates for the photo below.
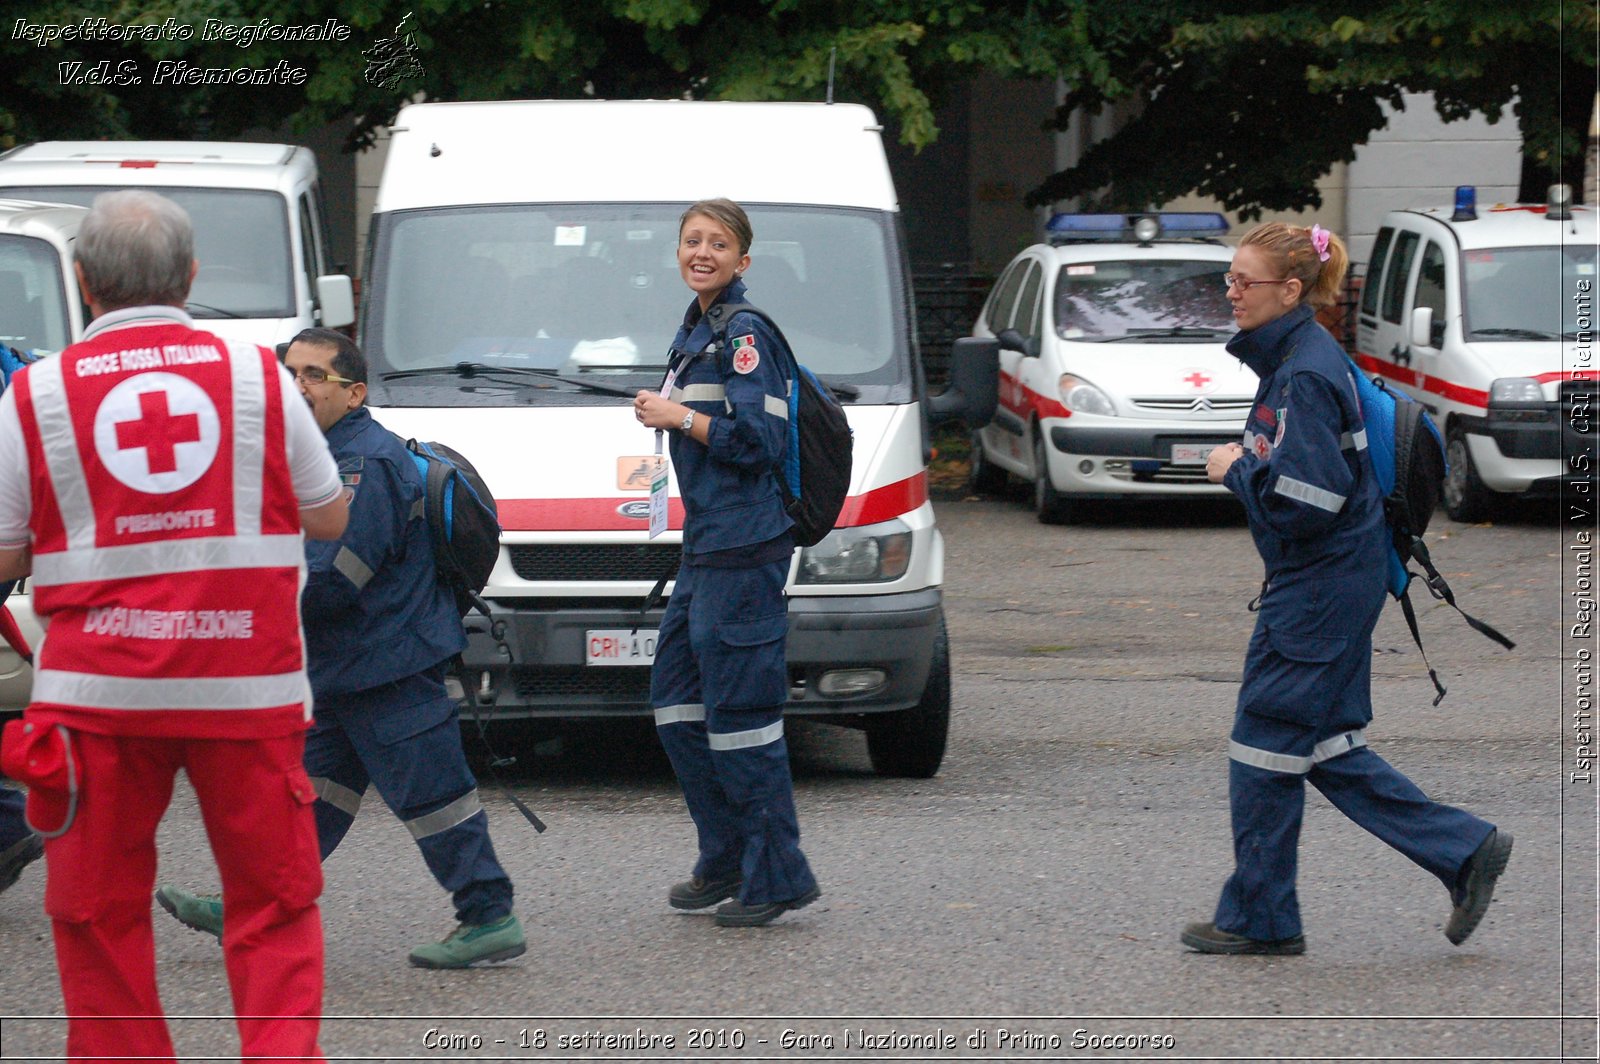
(158, 431)
(1198, 379)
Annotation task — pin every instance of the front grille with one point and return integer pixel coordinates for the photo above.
(612, 684)
(1199, 404)
(595, 562)
(1166, 474)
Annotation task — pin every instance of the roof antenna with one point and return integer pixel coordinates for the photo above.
(832, 52)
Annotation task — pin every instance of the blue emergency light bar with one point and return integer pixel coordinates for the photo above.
(1170, 225)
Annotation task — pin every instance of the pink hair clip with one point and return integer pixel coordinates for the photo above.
(1319, 241)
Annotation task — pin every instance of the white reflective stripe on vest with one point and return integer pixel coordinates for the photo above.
(95, 691)
(777, 406)
(249, 435)
(741, 740)
(337, 795)
(1326, 750)
(680, 714)
(1353, 441)
(1310, 494)
(62, 462)
(700, 393)
(463, 808)
(167, 556)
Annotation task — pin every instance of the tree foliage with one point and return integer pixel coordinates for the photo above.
(1251, 102)
(1244, 100)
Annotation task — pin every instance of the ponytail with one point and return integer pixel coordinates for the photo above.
(1313, 255)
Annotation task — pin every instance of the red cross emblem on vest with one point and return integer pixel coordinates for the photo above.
(159, 432)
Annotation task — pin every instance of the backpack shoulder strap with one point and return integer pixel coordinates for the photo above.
(719, 328)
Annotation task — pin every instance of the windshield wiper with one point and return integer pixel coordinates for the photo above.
(846, 393)
(475, 370)
(1183, 332)
(1514, 333)
(210, 312)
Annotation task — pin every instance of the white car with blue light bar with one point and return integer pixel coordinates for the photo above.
(1114, 379)
(1486, 316)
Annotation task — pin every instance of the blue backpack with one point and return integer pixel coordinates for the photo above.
(1407, 455)
(463, 522)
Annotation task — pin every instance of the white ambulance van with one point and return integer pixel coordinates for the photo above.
(522, 284)
(1485, 315)
(260, 236)
(41, 312)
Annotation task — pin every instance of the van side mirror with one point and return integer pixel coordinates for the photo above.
(974, 389)
(1425, 332)
(336, 301)
(1012, 340)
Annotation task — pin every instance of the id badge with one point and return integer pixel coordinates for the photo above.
(658, 501)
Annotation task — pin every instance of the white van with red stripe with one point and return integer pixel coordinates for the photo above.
(1486, 316)
(522, 285)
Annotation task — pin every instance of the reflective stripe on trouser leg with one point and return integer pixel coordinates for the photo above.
(752, 762)
(675, 692)
(1327, 749)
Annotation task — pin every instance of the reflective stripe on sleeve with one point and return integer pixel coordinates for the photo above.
(168, 556)
(337, 795)
(462, 809)
(777, 406)
(1353, 441)
(1309, 494)
(354, 569)
(700, 393)
(94, 691)
(680, 714)
(740, 740)
(1326, 750)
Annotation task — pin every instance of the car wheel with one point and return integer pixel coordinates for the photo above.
(1466, 499)
(984, 477)
(1052, 506)
(910, 742)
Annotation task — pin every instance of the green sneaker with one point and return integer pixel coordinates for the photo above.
(472, 944)
(203, 912)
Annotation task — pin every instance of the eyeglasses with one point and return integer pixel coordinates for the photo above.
(1233, 280)
(318, 375)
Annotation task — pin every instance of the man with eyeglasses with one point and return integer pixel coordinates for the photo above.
(380, 629)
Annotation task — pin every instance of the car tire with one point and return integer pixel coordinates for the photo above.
(1051, 506)
(983, 476)
(1466, 499)
(909, 743)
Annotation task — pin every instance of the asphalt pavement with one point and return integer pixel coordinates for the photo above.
(1026, 902)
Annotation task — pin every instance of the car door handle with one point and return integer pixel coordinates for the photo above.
(1401, 355)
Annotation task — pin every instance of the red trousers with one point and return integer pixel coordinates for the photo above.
(256, 803)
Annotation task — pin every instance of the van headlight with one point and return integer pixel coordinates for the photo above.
(1516, 390)
(865, 555)
(1081, 397)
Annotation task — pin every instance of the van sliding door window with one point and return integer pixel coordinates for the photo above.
(1399, 275)
(1373, 279)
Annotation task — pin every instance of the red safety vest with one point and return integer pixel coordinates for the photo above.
(167, 555)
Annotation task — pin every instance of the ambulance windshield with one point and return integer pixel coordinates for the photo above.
(594, 290)
(33, 301)
(241, 240)
(1160, 300)
(1512, 293)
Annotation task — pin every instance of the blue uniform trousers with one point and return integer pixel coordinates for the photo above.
(405, 737)
(1314, 728)
(13, 828)
(718, 687)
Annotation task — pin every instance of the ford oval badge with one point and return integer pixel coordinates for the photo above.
(638, 509)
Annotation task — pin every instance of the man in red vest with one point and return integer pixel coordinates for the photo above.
(155, 481)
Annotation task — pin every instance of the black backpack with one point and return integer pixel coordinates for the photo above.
(815, 477)
(1406, 454)
(463, 523)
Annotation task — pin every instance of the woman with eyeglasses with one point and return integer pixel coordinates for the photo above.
(1316, 514)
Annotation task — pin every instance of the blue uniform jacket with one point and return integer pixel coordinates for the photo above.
(730, 493)
(1314, 507)
(374, 608)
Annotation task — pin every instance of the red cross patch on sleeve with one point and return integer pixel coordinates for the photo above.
(745, 356)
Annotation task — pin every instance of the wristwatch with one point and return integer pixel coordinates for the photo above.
(687, 423)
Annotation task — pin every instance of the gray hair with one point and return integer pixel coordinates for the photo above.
(136, 249)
